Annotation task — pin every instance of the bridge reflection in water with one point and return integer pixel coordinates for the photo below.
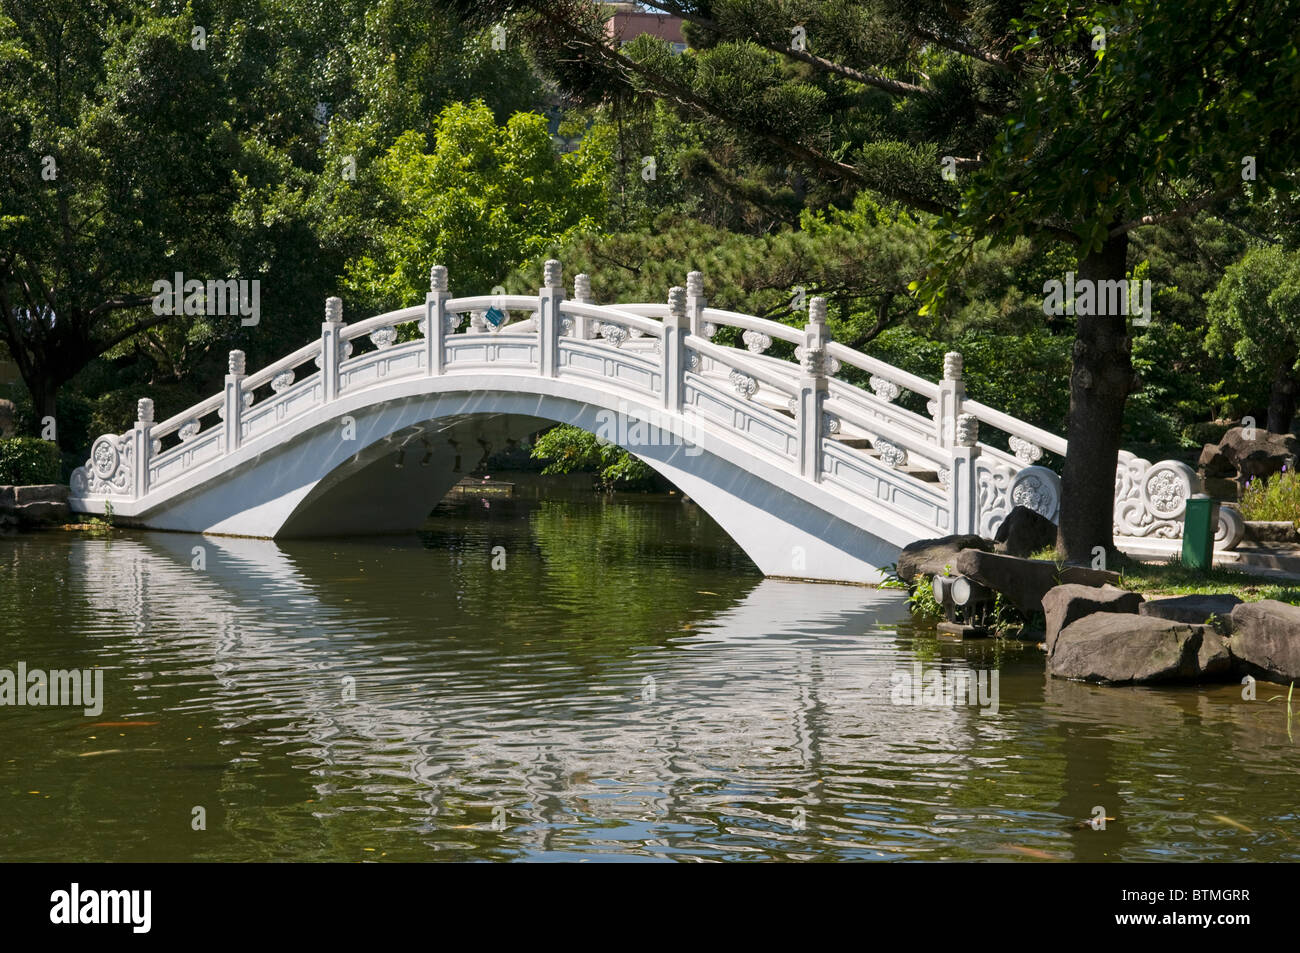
(728, 717)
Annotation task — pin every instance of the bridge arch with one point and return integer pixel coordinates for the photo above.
(813, 476)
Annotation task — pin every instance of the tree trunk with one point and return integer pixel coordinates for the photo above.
(1282, 398)
(1100, 381)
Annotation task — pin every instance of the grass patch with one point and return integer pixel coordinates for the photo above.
(1175, 579)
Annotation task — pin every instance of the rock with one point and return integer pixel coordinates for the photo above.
(42, 512)
(1261, 457)
(1120, 649)
(914, 557)
(1025, 532)
(8, 418)
(1270, 531)
(1266, 640)
(7, 497)
(1065, 605)
(1214, 657)
(1194, 609)
(1024, 581)
(41, 493)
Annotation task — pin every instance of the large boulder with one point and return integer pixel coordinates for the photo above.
(1024, 581)
(1121, 648)
(1195, 609)
(1065, 605)
(1264, 455)
(1024, 532)
(1266, 640)
(925, 555)
(1214, 657)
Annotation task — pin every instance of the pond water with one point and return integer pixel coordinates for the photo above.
(561, 676)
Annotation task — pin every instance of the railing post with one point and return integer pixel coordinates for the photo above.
(696, 302)
(234, 407)
(548, 325)
(330, 341)
(812, 391)
(435, 321)
(952, 391)
(676, 326)
(142, 445)
(582, 294)
(963, 487)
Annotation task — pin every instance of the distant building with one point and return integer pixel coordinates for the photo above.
(630, 20)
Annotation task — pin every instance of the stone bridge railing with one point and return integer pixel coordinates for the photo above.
(929, 472)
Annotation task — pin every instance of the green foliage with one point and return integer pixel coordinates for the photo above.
(1254, 317)
(1274, 498)
(29, 460)
(570, 449)
(921, 603)
(486, 198)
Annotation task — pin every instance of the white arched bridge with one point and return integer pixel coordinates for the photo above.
(814, 477)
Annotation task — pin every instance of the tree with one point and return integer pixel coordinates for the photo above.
(1042, 110)
(487, 197)
(1254, 316)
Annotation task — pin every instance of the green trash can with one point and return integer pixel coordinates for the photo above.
(1199, 524)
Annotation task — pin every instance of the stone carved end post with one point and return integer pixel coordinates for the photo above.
(435, 320)
(548, 325)
(812, 391)
(331, 341)
(143, 446)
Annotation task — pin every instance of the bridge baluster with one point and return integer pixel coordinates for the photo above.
(582, 327)
(963, 483)
(952, 391)
(143, 446)
(331, 337)
(234, 407)
(548, 324)
(812, 391)
(676, 326)
(696, 302)
(435, 320)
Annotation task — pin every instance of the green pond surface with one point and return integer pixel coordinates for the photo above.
(621, 685)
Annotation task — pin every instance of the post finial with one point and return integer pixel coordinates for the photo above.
(816, 310)
(952, 366)
(334, 310)
(968, 430)
(554, 274)
(144, 410)
(677, 301)
(695, 284)
(438, 278)
(582, 288)
(236, 363)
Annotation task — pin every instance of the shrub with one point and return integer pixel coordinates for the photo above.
(29, 460)
(1274, 498)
